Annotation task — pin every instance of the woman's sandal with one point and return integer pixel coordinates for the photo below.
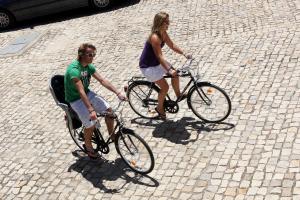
(91, 152)
(160, 115)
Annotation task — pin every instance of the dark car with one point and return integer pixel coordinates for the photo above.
(17, 10)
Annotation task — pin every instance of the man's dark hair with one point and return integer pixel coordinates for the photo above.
(82, 49)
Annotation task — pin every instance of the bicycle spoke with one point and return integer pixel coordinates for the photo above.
(130, 144)
(136, 94)
(143, 91)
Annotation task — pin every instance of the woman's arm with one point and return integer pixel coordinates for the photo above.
(172, 45)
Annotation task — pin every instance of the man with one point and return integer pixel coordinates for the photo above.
(83, 101)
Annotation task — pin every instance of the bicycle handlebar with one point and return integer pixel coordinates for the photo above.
(189, 64)
(111, 114)
(184, 70)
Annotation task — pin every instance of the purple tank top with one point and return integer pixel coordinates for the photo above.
(148, 57)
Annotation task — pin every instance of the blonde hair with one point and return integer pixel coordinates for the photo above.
(158, 21)
(82, 49)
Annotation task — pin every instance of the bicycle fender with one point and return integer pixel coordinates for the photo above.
(141, 82)
(198, 84)
(127, 130)
(205, 83)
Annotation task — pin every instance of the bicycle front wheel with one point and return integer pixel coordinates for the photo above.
(135, 152)
(142, 97)
(209, 102)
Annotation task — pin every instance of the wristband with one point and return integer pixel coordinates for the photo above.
(90, 111)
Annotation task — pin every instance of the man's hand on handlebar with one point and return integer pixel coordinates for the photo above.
(122, 97)
(93, 115)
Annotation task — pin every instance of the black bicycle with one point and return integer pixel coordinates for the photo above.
(133, 149)
(206, 100)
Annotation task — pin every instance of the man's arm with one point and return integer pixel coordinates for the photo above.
(106, 83)
(84, 98)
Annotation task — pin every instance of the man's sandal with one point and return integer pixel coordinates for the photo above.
(160, 115)
(91, 152)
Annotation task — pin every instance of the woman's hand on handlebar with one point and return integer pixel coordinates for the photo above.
(173, 72)
(188, 56)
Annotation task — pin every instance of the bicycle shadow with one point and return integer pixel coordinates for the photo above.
(179, 132)
(101, 170)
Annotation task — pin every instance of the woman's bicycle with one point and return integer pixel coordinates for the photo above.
(206, 100)
(133, 149)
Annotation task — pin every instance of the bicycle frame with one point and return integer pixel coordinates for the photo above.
(119, 123)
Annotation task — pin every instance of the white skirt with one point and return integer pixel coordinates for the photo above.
(154, 73)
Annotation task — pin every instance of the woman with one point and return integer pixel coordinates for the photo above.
(154, 66)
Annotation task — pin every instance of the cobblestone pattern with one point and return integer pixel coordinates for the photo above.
(250, 48)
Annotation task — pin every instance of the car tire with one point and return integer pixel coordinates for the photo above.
(100, 4)
(6, 19)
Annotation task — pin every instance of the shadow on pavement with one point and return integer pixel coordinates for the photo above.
(100, 171)
(69, 14)
(179, 132)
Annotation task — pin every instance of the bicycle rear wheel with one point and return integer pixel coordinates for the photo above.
(209, 102)
(77, 136)
(142, 97)
(98, 142)
(135, 152)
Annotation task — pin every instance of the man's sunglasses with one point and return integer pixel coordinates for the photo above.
(90, 54)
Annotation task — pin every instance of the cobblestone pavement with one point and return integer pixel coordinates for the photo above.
(250, 48)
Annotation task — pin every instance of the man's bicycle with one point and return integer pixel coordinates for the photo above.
(133, 149)
(206, 100)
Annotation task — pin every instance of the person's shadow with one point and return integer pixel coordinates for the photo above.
(99, 171)
(179, 132)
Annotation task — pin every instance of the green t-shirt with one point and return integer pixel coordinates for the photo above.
(76, 70)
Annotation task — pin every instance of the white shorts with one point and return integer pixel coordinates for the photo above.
(154, 73)
(98, 103)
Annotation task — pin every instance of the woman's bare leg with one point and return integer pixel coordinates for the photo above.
(164, 87)
(175, 85)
